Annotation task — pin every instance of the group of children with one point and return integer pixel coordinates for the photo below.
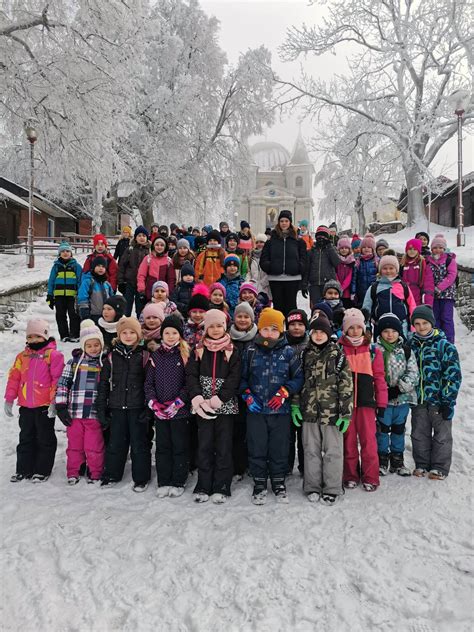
(227, 385)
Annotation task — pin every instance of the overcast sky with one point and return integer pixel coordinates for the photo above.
(250, 23)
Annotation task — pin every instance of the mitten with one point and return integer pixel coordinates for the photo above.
(172, 409)
(8, 408)
(393, 392)
(196, 402)
(296, 416)
(204, 414)
(52, 410)
(343, 423)
(215, 402)
(50, 301)
(304, 292)
(253, 404)
(64, 416)
(142, 298)
(277, 401)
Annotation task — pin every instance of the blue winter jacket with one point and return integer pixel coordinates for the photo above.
(64, 278)
(440, 371)
(232, 288)
(93, 294)
(265, 370)
(365, 273)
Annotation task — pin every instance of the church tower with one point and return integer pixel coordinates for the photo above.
(299, 173)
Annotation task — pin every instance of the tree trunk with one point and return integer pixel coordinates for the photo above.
(360, 214)
(415, 204)
(97, 208)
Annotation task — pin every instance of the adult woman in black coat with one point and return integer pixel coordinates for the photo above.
(283, 258)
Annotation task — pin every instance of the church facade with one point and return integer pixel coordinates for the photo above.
(277, 181)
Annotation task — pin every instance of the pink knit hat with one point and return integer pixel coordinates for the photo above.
(160, 285)
(37, 327)
(414, 243)
(344, 242)
(248, 286)
(389, 260)
(215, 317)
(154, 309)
(352, 316)
(217, 286)
(368, 242)
(439, 240)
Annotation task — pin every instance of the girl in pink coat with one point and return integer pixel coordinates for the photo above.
(417, 274)
(445, 271)
(345, 270)
(32, 380)
(156, 266)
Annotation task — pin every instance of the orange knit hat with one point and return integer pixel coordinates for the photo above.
(271, 318)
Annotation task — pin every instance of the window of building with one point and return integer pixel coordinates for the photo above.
(51, 227)
(299, 181)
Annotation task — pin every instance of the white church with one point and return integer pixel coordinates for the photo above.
(277, 181)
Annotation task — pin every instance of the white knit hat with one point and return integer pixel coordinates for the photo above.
(90, 331)
(261, 237)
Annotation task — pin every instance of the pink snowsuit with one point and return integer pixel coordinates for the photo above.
(418, 275)
(344, 272)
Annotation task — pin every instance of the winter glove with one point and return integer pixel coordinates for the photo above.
(84, 312)
(296, 416)
(172, 409)
(196, 402)
(393, 392)
(52, 410)
(122, 287)
(145, 416)
(8, 408)
(446, 412)
(215, 402)
(64, 416)
(277, 401)
(380, 413)
(50, 301)
(252, 402)
(304, 291)
(343, 423)
(142, 298)
(157, 408)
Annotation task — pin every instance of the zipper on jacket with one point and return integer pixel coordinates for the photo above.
(214, 361)
(284, 255)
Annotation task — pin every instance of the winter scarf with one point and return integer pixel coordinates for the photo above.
(267, 342)
(348, 260)
(388, 348)
(293, 340)
(355, 342)
(223, 344)
(243, 336)
(110, 328)
(151, 334)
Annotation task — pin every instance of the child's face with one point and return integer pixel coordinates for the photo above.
(390, 335)
(183, 251)
(128, 337)
(245, 231)
(422, 327)
(331, 294)
(215, 331)
(297, 329)
(232, 269)
(366, 250)
(213, 243)
(388, 270)
(159, 246)
(231, 244)
(197, 316)
(33, 338)
(195, 233)
(259, 245)
(319, 337)
(100, 247)
(154, 229)
(284, 223)
(380, 250)
(344, 252)
(272, 332)
(437, 250)
(170, 336)
(160, 295)
(125, 234)
(248, 296)
(412, 252)
(141, 239)
(217, 297)
(108, 314)
(423, 240)
(152, 322)
(93, 347)
(356, 250)
(242, 321)
(65, 255)
(355, 331)
(100, 270)
(188, 278)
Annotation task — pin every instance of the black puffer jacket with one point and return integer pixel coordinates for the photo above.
(181, 296)
(122, 380)
(283, 255)
(322, 264)
(130, 262)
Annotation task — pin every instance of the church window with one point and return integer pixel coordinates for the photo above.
(299, 181)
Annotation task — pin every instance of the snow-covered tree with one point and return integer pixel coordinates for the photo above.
(404, 59)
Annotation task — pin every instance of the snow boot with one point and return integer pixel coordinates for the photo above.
(108, 482)
(259, 495)
(39, 478)
(279, 489)
(369, 487)
(397, 465)
(16, 478)
(383, 464)
(350, 484)
(201, 497)
(163, 491)
(175, 492)
(219, 499)
(436, 475)
(314, 497)
(419, 472)
(329, 499)
(139, 488)
(73, 480)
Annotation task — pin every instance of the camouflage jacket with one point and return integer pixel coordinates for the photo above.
(327, 393)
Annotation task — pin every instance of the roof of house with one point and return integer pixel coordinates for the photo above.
(41, 203)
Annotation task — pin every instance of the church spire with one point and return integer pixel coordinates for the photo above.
(299, 155)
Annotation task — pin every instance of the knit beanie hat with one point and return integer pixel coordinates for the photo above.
(154, 309)
(63, 247)
(172, 321)
(90, 331)
(439, 240)
(208, 228)
(37, 327)
(233, 237)
(244, 308)
(142, 230)
(215, 317)
(99, 237)
(425, 312)
(355, 237)
(183, 243)
(303, 222)
(323, 307)
(129, 322)
(187, 269)
(320, 322)
(270, 317)
(157, 240)
(381, 242)
(390, 260)
(244, 224)
(118, 304)
(98, 261)
(223, 224)
(199, 298)
(285, 215)
(334, 285)
(414, 243)
(389, 321)
(160, 285)
(421, 233)
(344, 242)
(355, 243)
(127, 229)
(232, 259)
(215, 235)
(249, 286)
(368, 242)
(297, 316)
(261, 237)
(322, 231)
(352, 317)
(217, 286)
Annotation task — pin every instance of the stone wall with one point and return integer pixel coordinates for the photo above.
(18, 299)
(465, 296)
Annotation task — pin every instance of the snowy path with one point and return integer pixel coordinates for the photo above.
(85, 559)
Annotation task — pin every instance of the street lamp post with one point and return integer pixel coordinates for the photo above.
(460, 99)
(335, 210)
(32, 137)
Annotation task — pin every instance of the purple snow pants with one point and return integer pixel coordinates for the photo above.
(85, 443)
(443, 309)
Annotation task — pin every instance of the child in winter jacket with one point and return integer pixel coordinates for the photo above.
(76, 405)
(121, 406)
(345, 270)
(123, 243)
(365, 270)
(167, 397)
(63, 284)
(94, 291)
(417, 274)
(389, 295)
(248, 292)
(332, 296)
(322, 263)
(128, 269)
(212, 379)
(184, 289)
(197, 308)
(217, 296)
(113, 310)
(425, 243)
(445, 270)
(210, 262)
(304, 234)
(156, 266)
(232, 280)
(183, 256)
(160, 294)
(325, 406)
(256, 274)
(153, 316)
(437, 391)
(401, 375)
(32, 380)
(232, 248)
(370, 394)
(271, 373)
(101, 249)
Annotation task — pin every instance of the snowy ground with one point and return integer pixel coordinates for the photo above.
(14, 271)
(86, 559)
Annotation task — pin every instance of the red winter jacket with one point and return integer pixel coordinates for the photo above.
(368, 372)
(112, 266)
(152, 269)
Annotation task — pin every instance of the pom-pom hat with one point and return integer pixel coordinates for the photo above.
(90, 331)
(352, 317)
(439, 240)
(368, 242)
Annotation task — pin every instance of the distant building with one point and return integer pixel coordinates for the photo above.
(277, 181)
(444, 202)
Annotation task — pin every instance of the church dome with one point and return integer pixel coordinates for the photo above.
(269, 156)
